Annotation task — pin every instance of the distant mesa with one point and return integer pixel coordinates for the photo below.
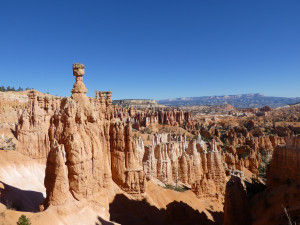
(239, 101)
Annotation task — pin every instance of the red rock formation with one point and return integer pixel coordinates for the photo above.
(171, 159)
(212, 183)
(282, 193)
(127, 170)
(84, 141)
(236, 207)
(244, 150)
(285, 164)
(56, 178)
(145, 118)
(32, 130)
(86, 150)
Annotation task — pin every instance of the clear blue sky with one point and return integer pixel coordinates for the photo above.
(153, 48)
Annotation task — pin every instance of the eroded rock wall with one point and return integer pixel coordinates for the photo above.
(190, 163)
(285, 164)
(33, 128)
(146, 117)
(85, 148)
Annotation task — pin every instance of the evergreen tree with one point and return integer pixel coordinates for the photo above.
(23, 220)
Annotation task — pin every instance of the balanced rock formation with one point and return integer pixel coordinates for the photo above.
(86, 149)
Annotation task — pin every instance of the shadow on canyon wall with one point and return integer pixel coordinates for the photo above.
(20, 200)
(103, 222)
(130, 212)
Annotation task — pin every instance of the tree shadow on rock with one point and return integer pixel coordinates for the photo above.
(20, 200)
(130, 212)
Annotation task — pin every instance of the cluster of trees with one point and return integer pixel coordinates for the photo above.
(9, 88)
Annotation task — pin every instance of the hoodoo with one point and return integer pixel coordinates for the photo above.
(93, 150)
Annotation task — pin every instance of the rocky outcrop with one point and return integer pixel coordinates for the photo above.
(56, 178)
(243, 150)
(236, 207)
(279, 204)
(146, 117)
(171, 159)
(98, 150)
(285, 164)
(127, 170)
(79, 153)
(32, 130)
(88, 146)
(85, 148)
(212, 184)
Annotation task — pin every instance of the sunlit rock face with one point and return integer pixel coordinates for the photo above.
(285, 164)
(172, 159)
(146, 117)
(33, 127)
(86, 150)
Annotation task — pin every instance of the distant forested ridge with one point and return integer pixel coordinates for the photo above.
(9, 88)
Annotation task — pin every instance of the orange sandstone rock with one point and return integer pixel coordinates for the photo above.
(285, 164)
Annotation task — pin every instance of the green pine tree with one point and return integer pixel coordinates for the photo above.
(23, 220)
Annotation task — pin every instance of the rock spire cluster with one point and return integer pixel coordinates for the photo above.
(88, 147)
